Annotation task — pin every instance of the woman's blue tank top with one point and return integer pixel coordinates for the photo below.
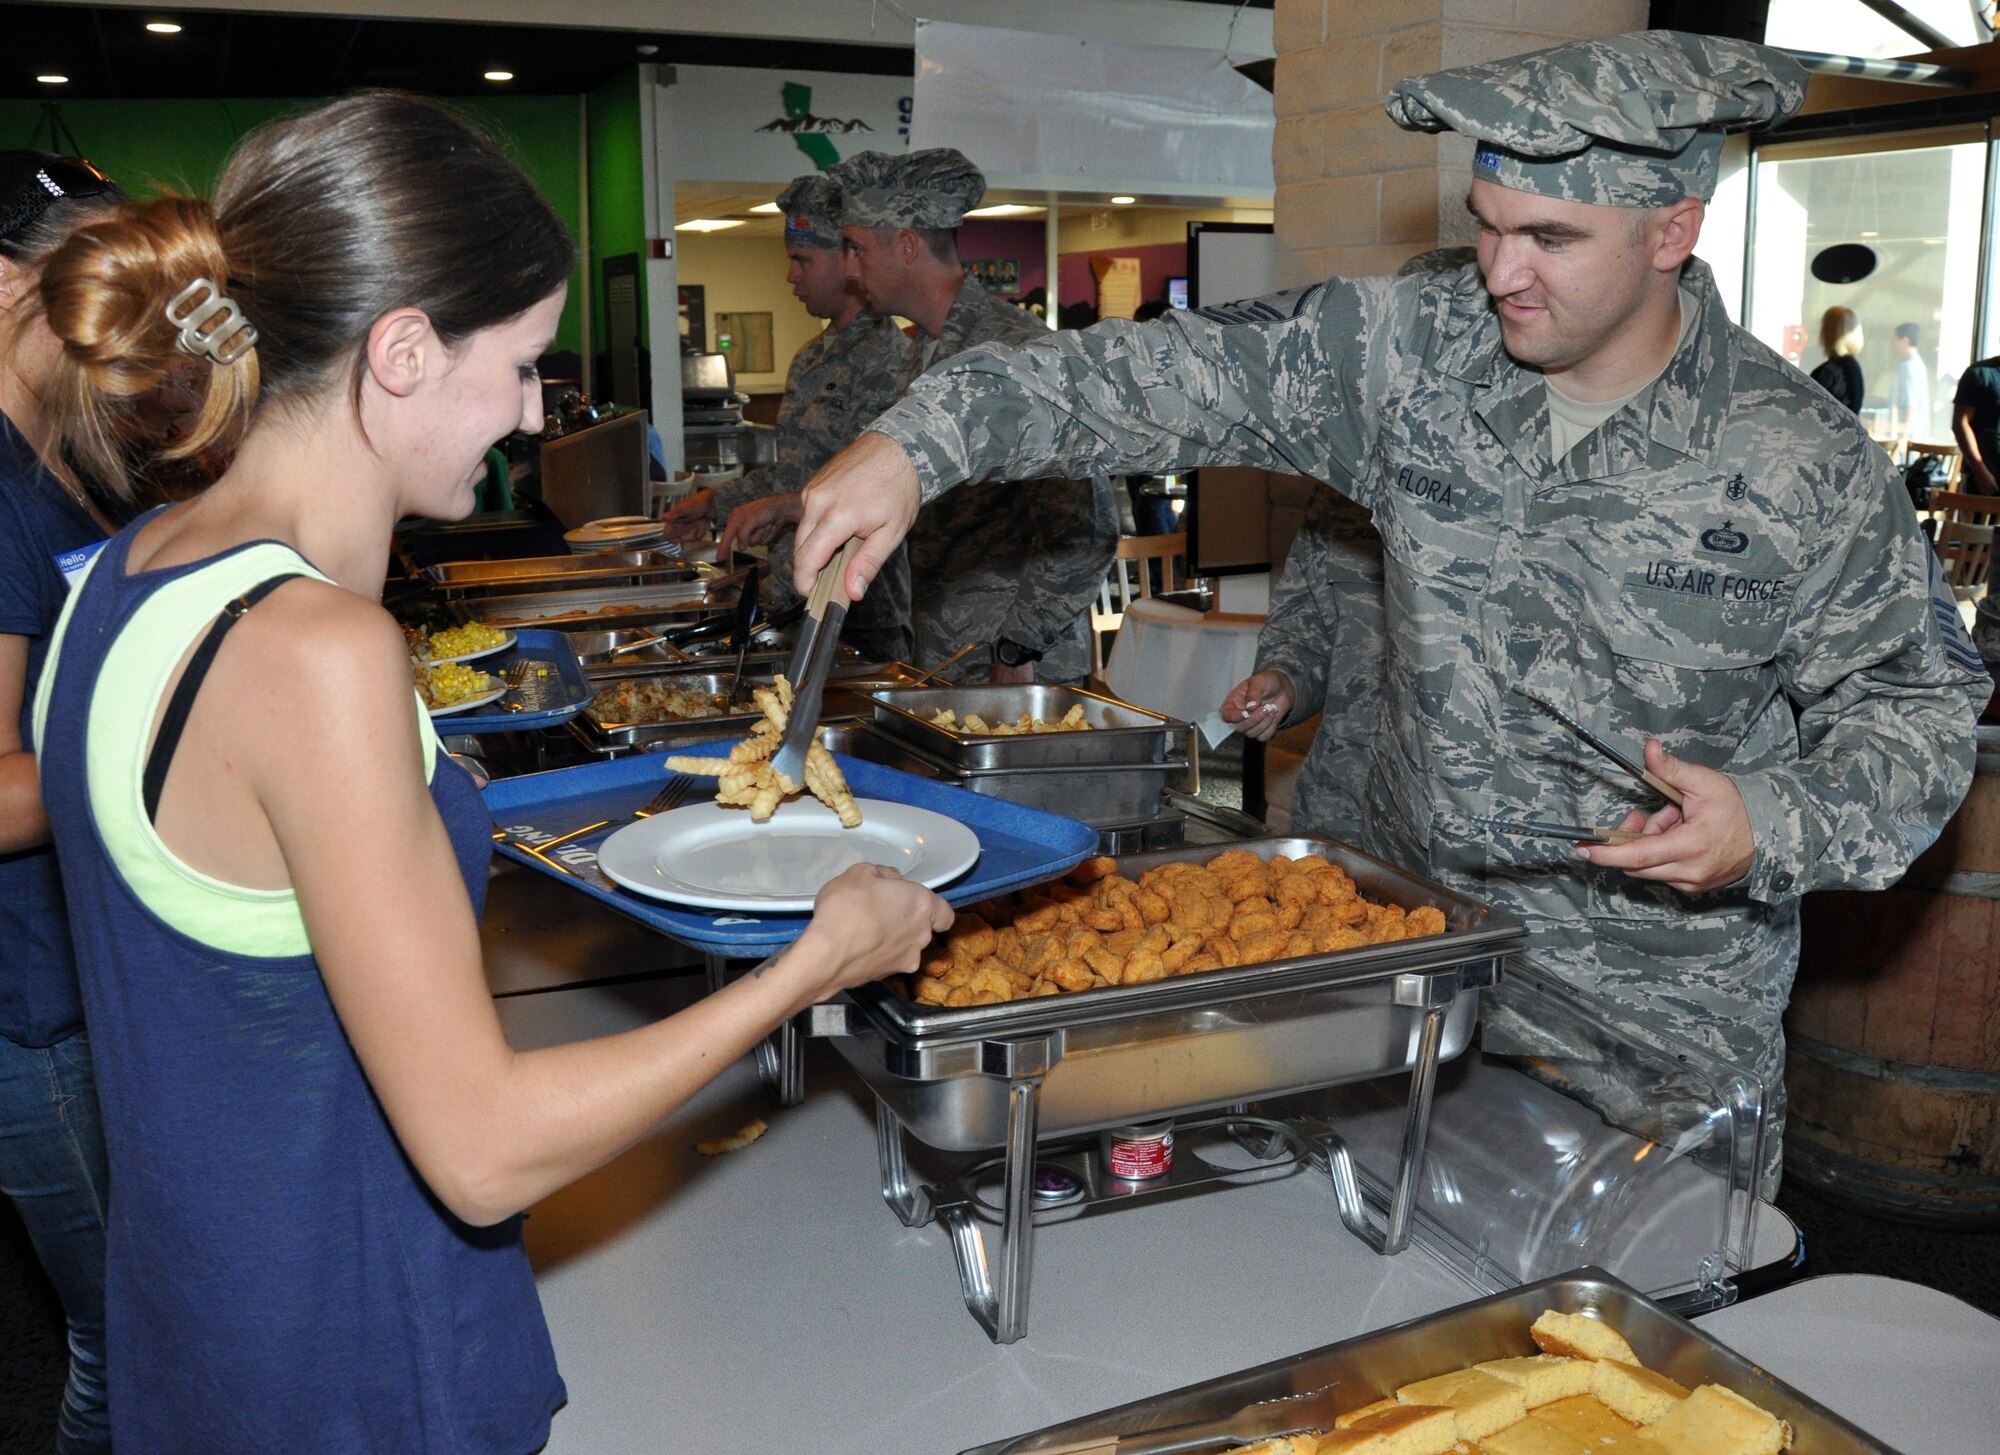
(280, 1279)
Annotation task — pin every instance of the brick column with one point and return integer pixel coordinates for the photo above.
(1356, 194)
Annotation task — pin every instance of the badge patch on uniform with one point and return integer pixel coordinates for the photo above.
(1736, 489)
(1727, 540)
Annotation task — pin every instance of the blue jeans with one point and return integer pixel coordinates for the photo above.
(52, 1166)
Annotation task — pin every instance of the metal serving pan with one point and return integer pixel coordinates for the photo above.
(1097, 793)
(610, 606)
(656, 562)
(1120, 732)
(1124, 1053)
(612, 732)
(1372, 1367)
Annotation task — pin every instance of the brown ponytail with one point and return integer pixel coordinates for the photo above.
(322, 223)
(104, 293)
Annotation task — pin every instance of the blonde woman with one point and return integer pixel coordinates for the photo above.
(1840, 340)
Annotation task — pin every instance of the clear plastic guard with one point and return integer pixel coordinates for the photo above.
(1566, 1135)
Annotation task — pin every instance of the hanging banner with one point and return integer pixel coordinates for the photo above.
(1053, 113)
(728, 124)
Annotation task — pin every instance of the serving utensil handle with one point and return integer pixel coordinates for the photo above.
(832, 578)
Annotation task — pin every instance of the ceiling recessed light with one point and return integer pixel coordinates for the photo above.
(163, 27)
(649, 50)
(51, 78)
(767, 207)
(1005, 209)
(499, 75)
(707, 224)
(1122, 201)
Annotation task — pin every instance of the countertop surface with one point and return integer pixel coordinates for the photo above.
(1916, 1368)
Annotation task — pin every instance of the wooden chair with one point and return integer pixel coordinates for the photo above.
(1949, 453)
(1965, 539)
(1131, 575)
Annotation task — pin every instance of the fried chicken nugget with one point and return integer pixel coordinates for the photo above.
(971, 938)
(1224, 950)
(1040, 919)
(1108, 964)
(1091, 870)
(1235, 861)
(1142, 968)
(1202, 962)
(1425, 920)
(1239, 887)
(1071, 975)
(1153, 907)
(1297, 888)
(1176, 958)
(1261, 945)
(931, 992)
(1249, 919)
(1341, 937)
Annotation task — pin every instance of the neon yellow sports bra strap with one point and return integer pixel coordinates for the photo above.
(229, 918)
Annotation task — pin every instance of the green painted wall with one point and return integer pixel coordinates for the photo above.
(617, 193)
(151, 146)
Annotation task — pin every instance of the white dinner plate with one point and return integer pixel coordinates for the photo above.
(714, 857)
(499, 691)
(470, 656)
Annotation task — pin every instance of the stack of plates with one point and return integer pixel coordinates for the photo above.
(616, 533)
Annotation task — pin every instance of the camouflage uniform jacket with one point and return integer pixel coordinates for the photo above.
(1727, 564)
(836, 384)
(1021, 561)
(1324, 631)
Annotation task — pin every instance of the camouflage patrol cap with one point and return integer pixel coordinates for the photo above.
(1631, 120)
(811, 205)
(927, 189)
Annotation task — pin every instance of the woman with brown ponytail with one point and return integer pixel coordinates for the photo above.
(320, 1139)
(51, 1142)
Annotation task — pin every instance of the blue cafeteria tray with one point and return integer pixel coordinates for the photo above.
(546, 700)
(1017, 846)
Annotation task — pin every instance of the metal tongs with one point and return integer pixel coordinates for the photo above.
(1537, 829)
(819, 635)
(1269, 1419)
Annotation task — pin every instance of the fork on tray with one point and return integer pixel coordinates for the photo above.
(671, 796)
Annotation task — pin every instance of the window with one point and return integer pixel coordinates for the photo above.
(1919, 203)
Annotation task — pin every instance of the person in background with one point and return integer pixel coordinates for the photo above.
(320, 1140)
(842, 379)
(1975, 424)
(1592, 487)
(1840, 340)
(1910, 393)
(1321, 651)
(1015, 566)
(52, 1162)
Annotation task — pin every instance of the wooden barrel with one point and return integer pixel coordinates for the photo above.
(1893, 1036)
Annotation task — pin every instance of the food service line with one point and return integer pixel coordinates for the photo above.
(793, 1311)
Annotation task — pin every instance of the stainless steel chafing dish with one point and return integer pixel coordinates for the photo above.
(605, 734)
(1112, 774)
(457, 578)
(1014, 1074)
(1119, 732)
(1371, 1367)
(583, 609)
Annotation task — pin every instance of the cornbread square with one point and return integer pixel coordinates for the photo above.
(1341, 1422)
(1532, 1437)
(1409, 1429)
(1482, 1403)
(1283, 1445)
(1641, 1395)
(1351, 1442)
(1579, 1336)
(1585, 1417)
(1717, 1421)
(1544, 1378)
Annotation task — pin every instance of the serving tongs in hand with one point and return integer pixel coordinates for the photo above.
(1639, 771)
(819, 636)
(746, 614)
